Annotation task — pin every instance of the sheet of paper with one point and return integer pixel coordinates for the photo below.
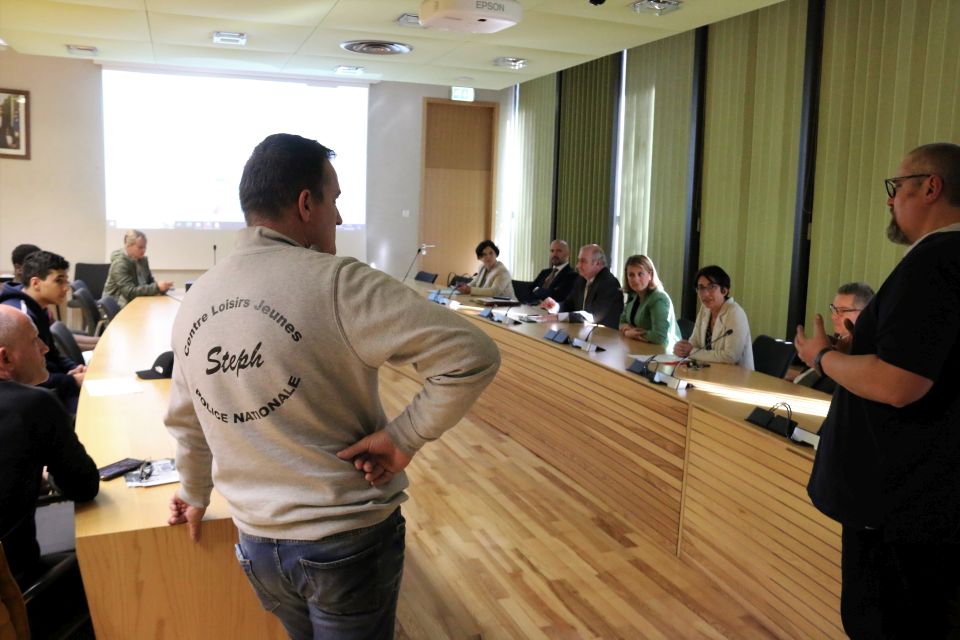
(112, 386)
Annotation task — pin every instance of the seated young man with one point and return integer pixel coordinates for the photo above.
(46, 283)
(20, 253)
(35, 432)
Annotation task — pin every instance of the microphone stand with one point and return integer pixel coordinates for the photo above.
(421, 250)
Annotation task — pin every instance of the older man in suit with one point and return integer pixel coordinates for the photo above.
(596, 292)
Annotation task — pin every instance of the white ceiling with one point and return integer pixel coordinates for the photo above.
(302, 37)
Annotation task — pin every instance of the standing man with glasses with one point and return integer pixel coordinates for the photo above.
(888, 464)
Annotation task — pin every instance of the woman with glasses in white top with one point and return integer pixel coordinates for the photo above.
(722, 332)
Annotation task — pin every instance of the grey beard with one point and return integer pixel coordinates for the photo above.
(895, 233)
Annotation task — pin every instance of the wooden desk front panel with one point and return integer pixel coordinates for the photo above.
(622, 441)
(748, 523)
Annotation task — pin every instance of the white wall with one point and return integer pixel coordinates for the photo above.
(56, 199)
(394, 148)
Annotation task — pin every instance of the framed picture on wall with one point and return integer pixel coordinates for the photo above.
(14, 124)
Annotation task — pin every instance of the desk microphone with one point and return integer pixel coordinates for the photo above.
(585, 344)
(214, 255)
(421, 251)
(719, 339)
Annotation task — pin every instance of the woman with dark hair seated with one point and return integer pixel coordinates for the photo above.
(493, 279)
(721, 333)
(648, 315)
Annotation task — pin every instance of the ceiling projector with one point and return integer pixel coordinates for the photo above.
(473, 16)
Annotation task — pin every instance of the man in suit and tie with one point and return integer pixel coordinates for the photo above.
(557, 280)
(596, 291)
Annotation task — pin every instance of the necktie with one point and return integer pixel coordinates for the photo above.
(550, 278)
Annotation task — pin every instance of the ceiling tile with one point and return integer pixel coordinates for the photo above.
(305, 13)
(189, 30)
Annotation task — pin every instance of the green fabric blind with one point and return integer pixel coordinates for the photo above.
(536, 135)
(656, 136)
(588, 101)
(754, 90)
(890, 82)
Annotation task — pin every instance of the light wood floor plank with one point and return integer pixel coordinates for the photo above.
(500, 546)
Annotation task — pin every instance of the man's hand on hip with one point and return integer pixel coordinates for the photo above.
(376, 457)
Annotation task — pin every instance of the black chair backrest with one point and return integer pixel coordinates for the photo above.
(65, 342)
(109, 306)
(89, 310)
(686, 328)
(772, 356)
(426, 276)
(523, 290)
(94, 275)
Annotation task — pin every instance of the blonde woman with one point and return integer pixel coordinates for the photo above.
(648, 315)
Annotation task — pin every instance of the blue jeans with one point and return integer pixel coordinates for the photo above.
(343, 586)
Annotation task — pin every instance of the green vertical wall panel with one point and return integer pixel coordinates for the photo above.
(588, 100)
(891, 74)
(752, 127)
(656, 137)
(536, 133)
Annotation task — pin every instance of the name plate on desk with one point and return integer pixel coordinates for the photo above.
(487, 313)
(586, 345)
(554, 335)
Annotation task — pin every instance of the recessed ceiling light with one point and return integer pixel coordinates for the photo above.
(376, 47)
(656, 7)
(82, 50)
(510, 62)
(349, 70)
(411, 20)
(234, 38)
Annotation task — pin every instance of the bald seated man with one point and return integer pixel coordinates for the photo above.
(35, 432)
(557, 280)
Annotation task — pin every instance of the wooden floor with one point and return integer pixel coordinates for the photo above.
(500, 546)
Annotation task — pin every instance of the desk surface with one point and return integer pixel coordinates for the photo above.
(143, 578)
(723, 388)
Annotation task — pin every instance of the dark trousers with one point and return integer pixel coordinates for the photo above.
(899, 589)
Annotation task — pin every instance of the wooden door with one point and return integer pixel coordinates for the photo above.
(457, 195)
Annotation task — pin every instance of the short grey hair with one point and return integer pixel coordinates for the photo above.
(861, 292)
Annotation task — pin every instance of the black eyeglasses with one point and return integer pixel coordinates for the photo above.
(839, 311)
(892, 183)
(146, 470)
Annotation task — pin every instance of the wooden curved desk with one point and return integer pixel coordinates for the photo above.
(145, 579)
(725, 495)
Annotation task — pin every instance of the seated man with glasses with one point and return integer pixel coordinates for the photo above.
(850, 300)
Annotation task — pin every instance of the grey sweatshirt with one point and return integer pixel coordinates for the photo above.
(277, 352)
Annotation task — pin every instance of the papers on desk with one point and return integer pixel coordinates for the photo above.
(163, 471)
(660, 358)
(112, 386)
(498, 302)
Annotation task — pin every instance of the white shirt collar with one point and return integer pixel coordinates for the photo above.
(950, 227)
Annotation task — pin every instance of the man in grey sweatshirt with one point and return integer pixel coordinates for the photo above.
(275, 400)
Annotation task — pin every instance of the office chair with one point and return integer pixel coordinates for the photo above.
(94, 275)
(426, 276)
(49, 602)
(772, 356)
(109, 308)
(88, 308)
(14, 623)
(686, 328)
(66, 343)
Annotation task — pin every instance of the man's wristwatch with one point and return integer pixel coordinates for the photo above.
(818, 358)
